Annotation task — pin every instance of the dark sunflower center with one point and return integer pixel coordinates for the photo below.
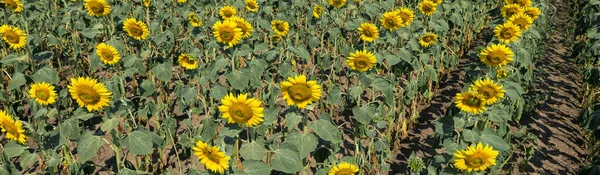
(11, 4)
(212, 155)
(472, 101)
(511, 12)
(474, 161)
(279, 27)
(361, 62)
(42, 94)
(427, 39)
(189, 60)
(96, 7)
(390, 22)
(495, 58)
(427, 9)
(345, 172)
(506, 33)
(88, 95)
(300, 92)
(251, 5)
(10, 128)
(226, 35)
(521, 23)
(337, 2)
(11, 37)
(367, 32)
(227, 13)
(107, 55)
(240, 112)
(135, 30)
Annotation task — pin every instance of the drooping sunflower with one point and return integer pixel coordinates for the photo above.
(496, 55)
(97, 8)
(317, 11)
(280, 27)
(136, 29)
(194, 20)
(146, 3)
(187, 61)
(501, 73)
(246, 27)
(90, 93)
(15, 5)
(227, 12)
(227, 32)
(242, 110)
(337, 3)
(491, 91)
(368, 32)
(252, 5)
(524, 3)
(436, 2)
(522, 20)
(343, 168)
(476, 158)
(507, 32)
(15, 37)
(407, 16)
(211, 157)
(470, 101)
(532, 12)
(43, 93)
(299, 92)
(13, 128)
(427, 8)
(108, 54)
(511, 9)
(428, 39)
(361, 61)
(391, 20)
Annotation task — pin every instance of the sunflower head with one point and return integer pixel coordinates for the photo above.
(524, 3)
(97, 8)
(299, 92)
(343, 168)
(406, 15)
(522, 20)
(15, 5)
(43, 93)
(227, 32)
(532, 12)
(337, 3)
(90, 93)
(496, 55)
(436, 2)
(227, 12)
(187, 61)
(194, 20)
(280, 27)
(391, 20)
(476, 158)
(211, 157)
(368, 32)
(501, 73)
(317, 11)
(15, 37)
(146, 3)
(246, 27)
(510, 10)
(275, 38)
(13, 128)
(252, 5)
(136, 29)
(108, 54)
(428, 39)
(182, 1)
(427, 8)
(361, 61)
(490, 90)
(470, 101)
(507, 32)
(242, 110)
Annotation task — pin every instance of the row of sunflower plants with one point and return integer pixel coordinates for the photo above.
(475, 134)
(229, 87)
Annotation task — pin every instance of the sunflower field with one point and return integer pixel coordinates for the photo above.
(260, 87)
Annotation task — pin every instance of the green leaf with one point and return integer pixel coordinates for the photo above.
(238, 79)
(88, 147)
(109, 124)
(149, 87)
(163, 71)
(470, 135)
(301, 52)
(495, 141)
(43, 55)
(18, 80)
(306, 144)
(12, 149)
(70, 129)
(46, 74)
(286, 161)
(27, 159)
(325, 130)
(253, 150)
(335, 96)
(138, 143)
(292, 120)
(363, 114)
(256, 167)
(392, 59)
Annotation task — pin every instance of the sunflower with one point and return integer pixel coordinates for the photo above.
(522, 20)
(490, 90)
(187, 61)
(391, 20)
(427, 8)
(496, 55)
(524, 3)
(507, 32)
(108, 54)
(337, 3)
(532, 12)
(227, 12)
(299, 92)
(368, 32)
(182, 1)
(436, 2)
(246, 27)
(146, 3)
(470, 101)
(15, 37)
(242, 110)
(476, 158)
(194, 20)
(252, 5)
(136, 29)
(211, 157)
(13, 128)
(501, 73)
(90, 93)
(227, 32)
(275, 38)
(15, 5)
(97, 8)
(428, 39)
(280, 27)
(343, 168)
(361, 61)
(510, 10)
(317, 11)
(43, 93)
(406, 15)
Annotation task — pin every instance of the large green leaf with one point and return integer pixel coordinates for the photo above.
(46, 74)
(18, 80)
(306, 143)
(495, 141)
(12, 149)
(325, 130)
(253, 150)
(163, 71)
(88, 147)
(27, 159)
(286, 161)
(138, 143)
(364, 114)
(335, 96)
(238, 79)
(70, 129)
(256, 168)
